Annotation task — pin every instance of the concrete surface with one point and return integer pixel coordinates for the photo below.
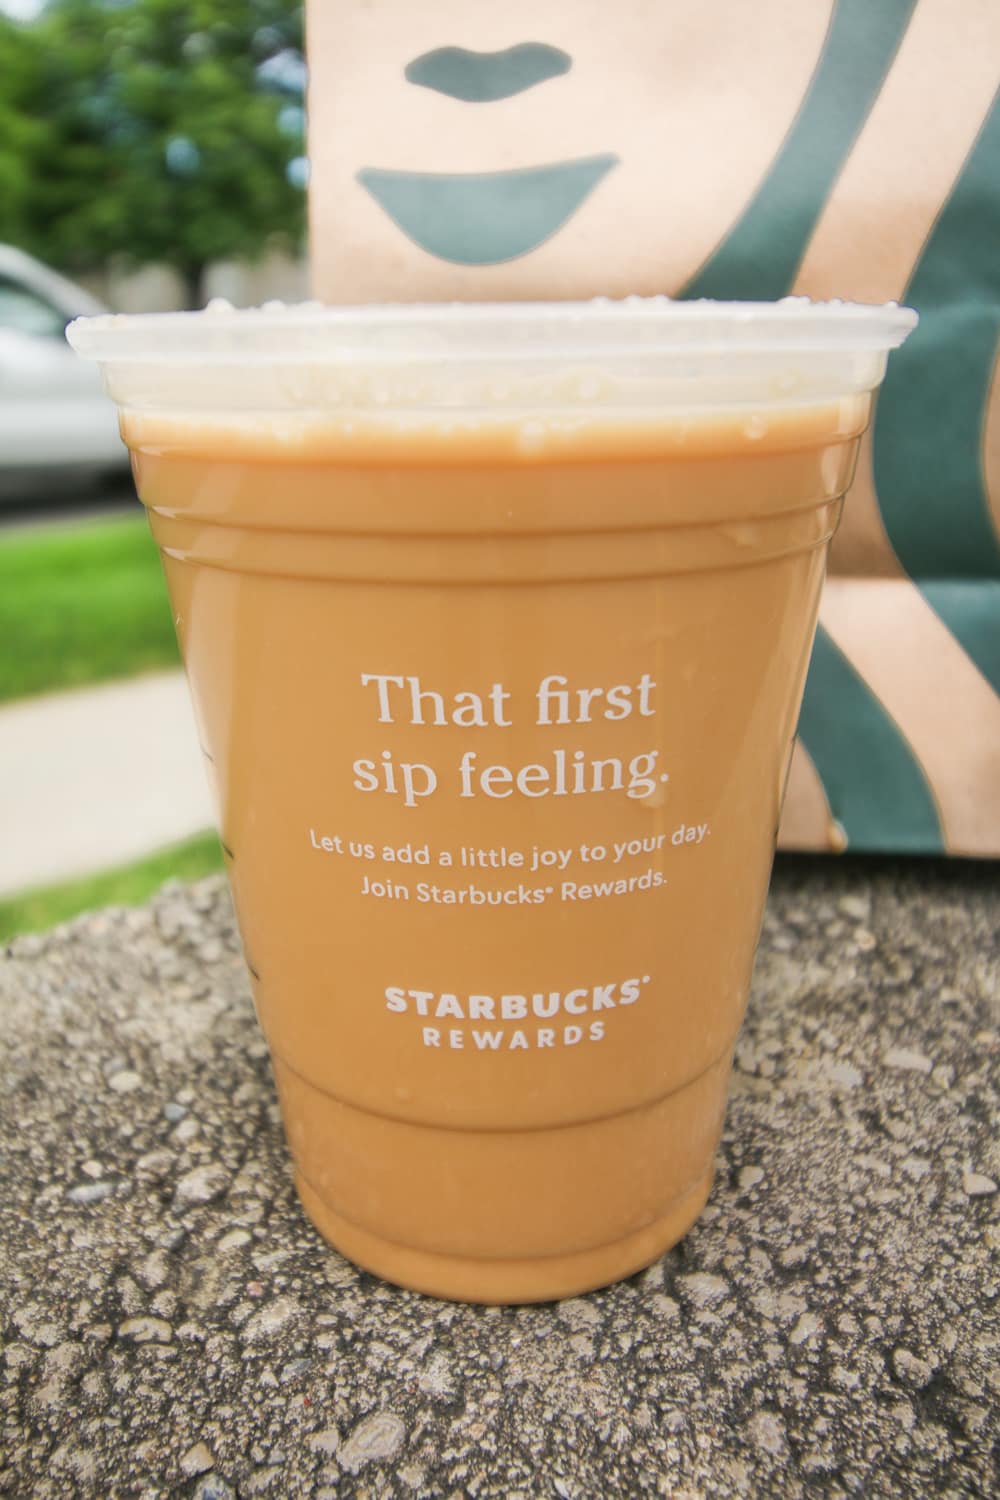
(97, 777)
(172, 1326)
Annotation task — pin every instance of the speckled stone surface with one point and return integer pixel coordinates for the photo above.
(171, 1326)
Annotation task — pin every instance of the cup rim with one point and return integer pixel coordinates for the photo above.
(532, 332)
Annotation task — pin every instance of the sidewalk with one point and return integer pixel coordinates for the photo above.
(97, 777)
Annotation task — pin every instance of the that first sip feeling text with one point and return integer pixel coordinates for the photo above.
(556, 702)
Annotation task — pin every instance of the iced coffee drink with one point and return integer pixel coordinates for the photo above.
(496, 623)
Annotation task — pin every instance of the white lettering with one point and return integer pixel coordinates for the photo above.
(384, 712)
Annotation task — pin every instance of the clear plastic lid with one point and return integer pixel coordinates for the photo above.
(639, 353)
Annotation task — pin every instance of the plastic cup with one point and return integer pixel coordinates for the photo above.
(496, 621)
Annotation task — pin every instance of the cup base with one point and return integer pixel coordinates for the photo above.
(529, 1279)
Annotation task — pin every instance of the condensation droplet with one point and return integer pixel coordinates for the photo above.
(531, 437)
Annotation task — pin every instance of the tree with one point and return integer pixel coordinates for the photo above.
(24, 133)
(175, 132)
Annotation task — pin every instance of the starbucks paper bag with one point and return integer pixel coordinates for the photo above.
(846, 149)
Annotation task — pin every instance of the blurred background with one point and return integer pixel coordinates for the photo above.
(152, 156)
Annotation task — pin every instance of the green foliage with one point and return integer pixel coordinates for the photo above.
(24, 134)
(130, 885)
(170, 127)
(84, 603)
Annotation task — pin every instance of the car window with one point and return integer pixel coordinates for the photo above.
(26, 312)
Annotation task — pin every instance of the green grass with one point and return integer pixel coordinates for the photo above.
(130, 885)
(81, 603)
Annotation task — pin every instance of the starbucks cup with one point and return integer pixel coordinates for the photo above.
(496, 621)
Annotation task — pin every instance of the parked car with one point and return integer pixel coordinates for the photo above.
(56, 423)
